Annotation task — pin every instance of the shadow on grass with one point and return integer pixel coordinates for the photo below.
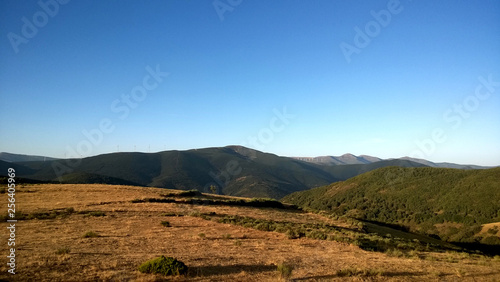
(384, 274)
(205, 271)
(490, 250)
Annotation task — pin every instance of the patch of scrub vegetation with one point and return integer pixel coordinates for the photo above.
(193, 197)
(52, 214)
(164, 266)
(95, 213)
(41, 215)
(323, 231)
(173, 214)
(153, 200)
(189, 193)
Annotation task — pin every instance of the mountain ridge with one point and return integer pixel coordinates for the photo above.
(10, 157)
(349, 158)
(233, 170)
(345, 159)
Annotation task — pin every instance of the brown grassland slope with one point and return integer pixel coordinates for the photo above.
(51, 246)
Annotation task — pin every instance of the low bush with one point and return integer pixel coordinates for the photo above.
(96, 213)
(164, 265)
(90, 234)
(172, 214)
(189, 193)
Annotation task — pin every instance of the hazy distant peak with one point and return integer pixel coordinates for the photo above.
(9, 157)
(348, 155)
(370, 158)
(347, 159)
(445, 164)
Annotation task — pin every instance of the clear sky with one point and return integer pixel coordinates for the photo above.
(294, 78)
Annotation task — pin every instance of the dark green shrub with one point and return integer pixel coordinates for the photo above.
(166, 223)
(264, 226)
(42, 215)
(317, 234)
(90, 234)
(164, 265)
(294, 234)
(70, 210)
(172, 214)
(97, 213)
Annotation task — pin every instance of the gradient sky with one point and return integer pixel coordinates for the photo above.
(270, 75)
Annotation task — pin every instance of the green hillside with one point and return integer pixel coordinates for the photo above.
(449, 203)
(90, 178)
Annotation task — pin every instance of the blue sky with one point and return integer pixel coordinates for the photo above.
(271, 75)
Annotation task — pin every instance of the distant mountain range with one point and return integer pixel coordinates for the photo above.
(234, 170)
(342, 160)
(364, 159)
(13, 158)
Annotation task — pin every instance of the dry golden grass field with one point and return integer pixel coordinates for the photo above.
(128, 234)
